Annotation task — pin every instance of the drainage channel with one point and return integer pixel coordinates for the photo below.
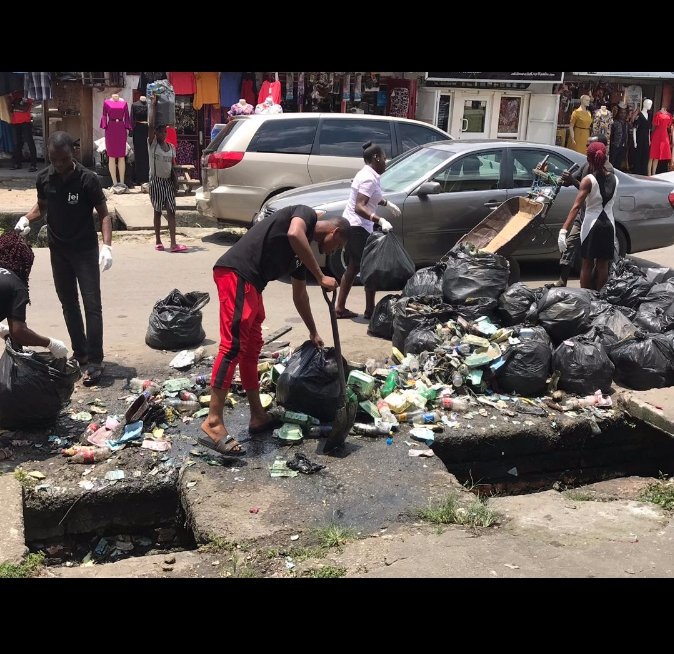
(517, 461)
(112, 524)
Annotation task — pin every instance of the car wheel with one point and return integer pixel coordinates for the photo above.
(514, 271)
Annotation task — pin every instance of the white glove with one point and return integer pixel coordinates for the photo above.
(105, 258)
(395, 209)
(23, 226)
(385, 225)
(58, 348)
(561, 241)
(4, 330)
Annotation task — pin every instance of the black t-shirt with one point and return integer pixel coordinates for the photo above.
(70, 205)
(13, 296)
(265, 253)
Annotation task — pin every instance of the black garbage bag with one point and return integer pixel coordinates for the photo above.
(175, 321)
(412, 312)
(627, 291)
(474, 275)
(584, 364)
(532, 333)
(625, 266)
(515, 302)
(386, 266)
(381, 322)
(661, 294)
(598, 306)
(310, 382)
(422, 339)
(476, 307)
(614, 319)
(652, 317)
(644, 361)
(658, 275)
(526, 368)
(564, 312)
(34, 387)
(426, 281)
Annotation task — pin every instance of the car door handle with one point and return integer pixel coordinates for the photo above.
(492, 205)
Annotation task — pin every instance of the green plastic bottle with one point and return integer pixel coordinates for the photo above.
(390, 384)
(296, 418)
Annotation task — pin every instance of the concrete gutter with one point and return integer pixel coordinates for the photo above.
(654, 407)
(12, 539)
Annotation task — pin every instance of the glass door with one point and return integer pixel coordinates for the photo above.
(474, 118)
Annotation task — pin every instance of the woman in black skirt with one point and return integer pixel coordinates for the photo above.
(597, 190)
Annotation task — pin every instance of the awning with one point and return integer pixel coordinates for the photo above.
(636, 75)
(519, 77)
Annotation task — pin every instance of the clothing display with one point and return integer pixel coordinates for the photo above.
(268, 107)
(37, 86)
(661, 148)
(208, 89)
(166, 101)
(241, 109)
(172, 136)
(643, 128)
(619, 142)
(248, 88)
(270, 88)
(230, 88)
(147, 78)
(183, 83)
(601, 123)
(140, 132)
(116, 122)
(581, 120)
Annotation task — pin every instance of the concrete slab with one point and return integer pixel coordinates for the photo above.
(12, 542)
(654, 407)
(141, 566)
(138, 215)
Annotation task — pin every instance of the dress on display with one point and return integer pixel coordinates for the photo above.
(269, 88)
(116, 123)
(643, 127)
(581, 120)
(661, 148)
(140, 131)
(601, 124)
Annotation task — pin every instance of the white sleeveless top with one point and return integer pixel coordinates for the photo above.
(594, 205)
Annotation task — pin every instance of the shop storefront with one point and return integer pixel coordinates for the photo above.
(487, 105)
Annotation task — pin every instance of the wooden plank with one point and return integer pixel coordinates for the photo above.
(278, 333)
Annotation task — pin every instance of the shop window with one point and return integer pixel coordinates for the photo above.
(475, 172)
(345, 138)
(292, 136)
(509, 117)
(412, 135)
(524, 161)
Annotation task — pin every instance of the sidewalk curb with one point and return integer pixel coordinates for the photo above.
(12, 537)
(646, 412)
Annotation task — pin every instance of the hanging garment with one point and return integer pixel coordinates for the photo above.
(147, 78)
(115, 120)
(300, 92)
(270, 88)
(140, 132)
(601, 124)
(581, 120)
(183, 83)
(37, 86)
(172, 137)
(230, 88)
(208, 89)
(289, 86)
(661, 148)
(248, 88)
(643, 127)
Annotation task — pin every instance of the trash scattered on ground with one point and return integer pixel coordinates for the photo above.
(187, 358)
(426, 453)
(82, 416)
(295, 537)
(112, 475)
(302, 464)
(280, 469)
(36, 474)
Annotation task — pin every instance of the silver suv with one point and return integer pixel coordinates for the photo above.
(256, 157)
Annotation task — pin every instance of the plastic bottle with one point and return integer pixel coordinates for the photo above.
(202, 380)
(282, 353)
(90, 455)
(182, 406)
(390, 384)
(458, 404)
(187, 396)
(463, 349)
(138, 385)
(457, 379)
(372, 430)
(386, 413)
(410, 416)
(429, 418)
(296, 418)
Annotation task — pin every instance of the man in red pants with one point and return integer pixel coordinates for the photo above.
(271, 249)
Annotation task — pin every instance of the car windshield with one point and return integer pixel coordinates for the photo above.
(406, 171)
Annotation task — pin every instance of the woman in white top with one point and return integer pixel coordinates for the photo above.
(361, 213)
(162, 179)
(597, 190)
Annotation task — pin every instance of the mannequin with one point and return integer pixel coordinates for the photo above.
(601, 122)
(268, 107)
(579, 127)
(139, 117)
(661, 148)
(641, 136)
(116, 122)
(240, 108)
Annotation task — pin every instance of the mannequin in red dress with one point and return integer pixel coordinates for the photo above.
(661, 142)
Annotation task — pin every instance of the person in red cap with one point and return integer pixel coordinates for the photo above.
(597, 191)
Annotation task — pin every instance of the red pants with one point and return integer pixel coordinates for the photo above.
(241, 318)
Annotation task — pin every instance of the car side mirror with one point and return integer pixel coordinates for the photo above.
(429, 188)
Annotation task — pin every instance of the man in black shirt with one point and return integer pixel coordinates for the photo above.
(271, 249)
(68, 192)
(16, 261)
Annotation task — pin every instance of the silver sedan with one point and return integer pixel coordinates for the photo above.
(446, 188)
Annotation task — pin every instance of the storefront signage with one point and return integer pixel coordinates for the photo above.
(496, 77)
(650, 75)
